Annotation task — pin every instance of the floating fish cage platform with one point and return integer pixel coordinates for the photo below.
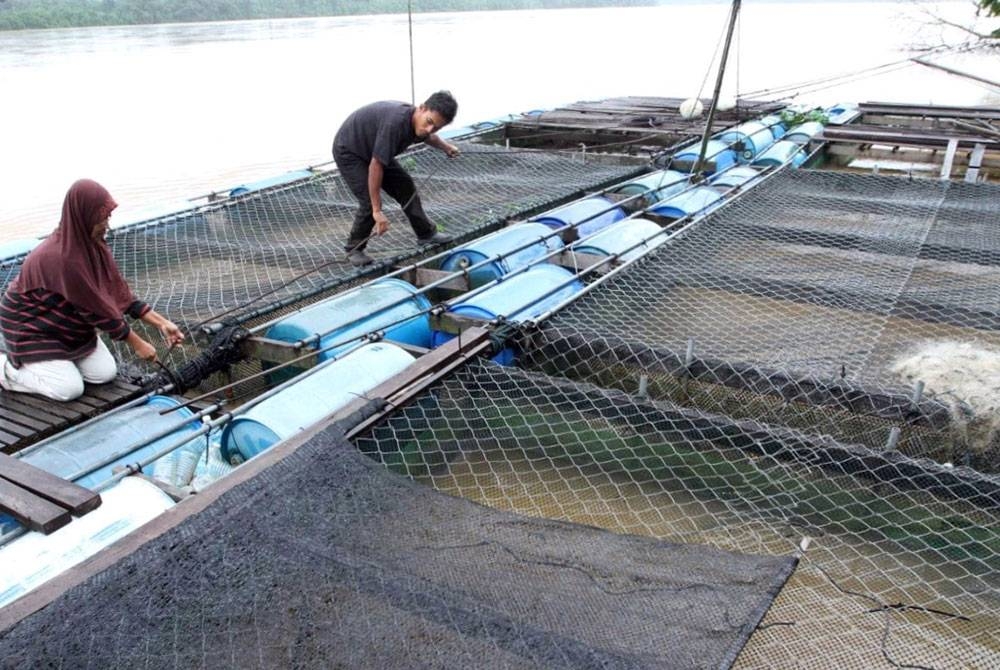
(771, 364)
(627, 125)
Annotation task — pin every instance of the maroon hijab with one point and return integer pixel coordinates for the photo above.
(73, 264)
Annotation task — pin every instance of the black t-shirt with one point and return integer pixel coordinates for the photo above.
(380, 130)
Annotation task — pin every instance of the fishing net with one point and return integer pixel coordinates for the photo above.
(817, 359)
(327, 561)
(250, 255)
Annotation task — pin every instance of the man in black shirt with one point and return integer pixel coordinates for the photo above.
(365, 150)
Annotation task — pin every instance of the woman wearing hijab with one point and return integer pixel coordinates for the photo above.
(68, 289)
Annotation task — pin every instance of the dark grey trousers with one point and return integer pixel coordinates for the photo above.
(396, 182)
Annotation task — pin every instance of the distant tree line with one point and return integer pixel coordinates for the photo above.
(24, 14)
(992, 8)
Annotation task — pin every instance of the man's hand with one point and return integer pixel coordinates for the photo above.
(381, 222)
(451, 150)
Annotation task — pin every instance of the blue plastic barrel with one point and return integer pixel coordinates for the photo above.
(310, 399)
(359, 311)
(584, 210)
(277, 180)
(34, 558)
(716, 152)
(690, 202)
(804, 132)
(775, 125)
(110, 438)
(780, 153)
(517, 298)
(734, 177)
(656, 186)
(754, 135)
(502, 242)
(620, 236)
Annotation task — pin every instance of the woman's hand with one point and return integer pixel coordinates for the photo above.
(171, 333)
(142, 348)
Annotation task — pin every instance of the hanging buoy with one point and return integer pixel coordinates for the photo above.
(691, 108)
(725, 104)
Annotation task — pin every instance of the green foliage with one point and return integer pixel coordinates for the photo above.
(794, 117)
(25, 14)
(991, 8)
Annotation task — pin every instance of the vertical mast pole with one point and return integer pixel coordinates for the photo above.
(734, 12)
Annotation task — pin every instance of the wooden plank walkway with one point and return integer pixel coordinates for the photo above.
(650, 121)
(26, 418)
(40, 500)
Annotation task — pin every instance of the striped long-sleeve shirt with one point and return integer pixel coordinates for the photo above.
(40, 325)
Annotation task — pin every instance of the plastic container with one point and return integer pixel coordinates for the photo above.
(310, 399)
(520, 297)
(501, 243)
(359, 311)
(693, 201)
(802, 133)
(111, 438)
(717, 153)
(622, 235)
(735, 177)
(775, 125)
(755, 136)
(655, 186)
(596, 212)
(785, 151)
(33, 559)
(278, 180)
(517, 298)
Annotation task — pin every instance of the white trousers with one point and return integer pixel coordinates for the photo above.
(60, 380)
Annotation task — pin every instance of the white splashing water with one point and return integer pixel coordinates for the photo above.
(966, 376)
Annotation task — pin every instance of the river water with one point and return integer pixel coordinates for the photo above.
(166, 112)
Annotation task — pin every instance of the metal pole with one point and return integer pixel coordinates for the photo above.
(413, 87)
(696, 172)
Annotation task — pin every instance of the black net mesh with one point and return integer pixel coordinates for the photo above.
(327, 561)
(904, 557)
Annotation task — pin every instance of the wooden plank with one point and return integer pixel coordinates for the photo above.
(91, 402)
(21, 402)
(102, 392)
(64, 411)
(124, 387)
(15, 428)
(949, 158)
(7, 438)
(920, 156)
(30, 510)
(64, 493)
(901, 137)
(23, 419)
(975, 162)
(930, 111)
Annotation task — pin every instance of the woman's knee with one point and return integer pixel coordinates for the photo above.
(66, 388)
(99, 367)
(102, 375)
